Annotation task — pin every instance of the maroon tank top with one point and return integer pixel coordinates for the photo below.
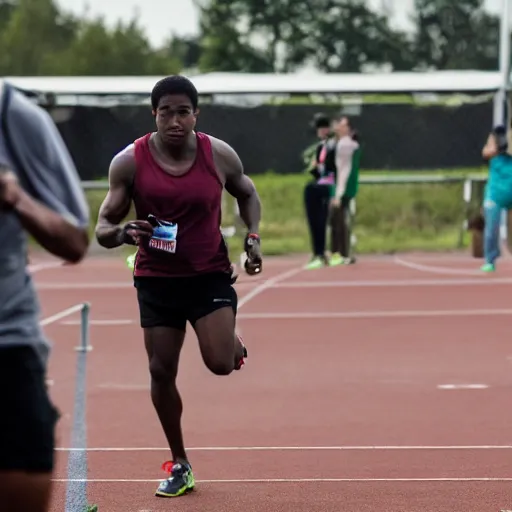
(187, 208)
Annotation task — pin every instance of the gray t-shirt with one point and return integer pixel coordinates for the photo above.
(45, 169)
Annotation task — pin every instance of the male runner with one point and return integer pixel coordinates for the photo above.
(175, 178)
(40, 193)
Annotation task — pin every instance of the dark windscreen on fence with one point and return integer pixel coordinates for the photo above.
(272, 137)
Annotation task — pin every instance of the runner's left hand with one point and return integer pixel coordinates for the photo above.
(10, 190)
(252, 247)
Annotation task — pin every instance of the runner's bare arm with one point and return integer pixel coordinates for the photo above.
(237, 183)
(116, 205)
(490, 149)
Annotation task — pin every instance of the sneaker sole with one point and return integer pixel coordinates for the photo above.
(182, 492)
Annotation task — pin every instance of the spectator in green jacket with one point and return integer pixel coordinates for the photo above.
(348, 156)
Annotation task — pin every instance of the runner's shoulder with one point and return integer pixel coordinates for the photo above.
(221, 147)
(123, 166)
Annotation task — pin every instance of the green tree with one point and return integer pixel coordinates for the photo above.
(37, 38)
(331, 35)
(34, 34)
(7, 8)
(122, 51)
(186, 49)
(224, 46)
(347, 36)
(455, 34)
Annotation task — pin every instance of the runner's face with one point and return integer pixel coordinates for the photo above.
(343, 127)
(175, 118)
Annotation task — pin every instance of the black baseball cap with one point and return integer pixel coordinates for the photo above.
(320, 120)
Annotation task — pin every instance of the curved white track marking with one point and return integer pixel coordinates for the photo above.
(438, 270)
(267, 284)
(61, 314)
(36, 267)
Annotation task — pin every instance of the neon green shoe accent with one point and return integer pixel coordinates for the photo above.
(488, 267)
(191, 481)
(130, 261)
(173, 487)
(314, 264)
(336, 259)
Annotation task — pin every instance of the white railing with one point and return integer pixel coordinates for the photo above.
(467, 183)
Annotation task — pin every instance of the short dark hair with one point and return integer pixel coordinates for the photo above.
(500, 134)
(174, 84)
(500, 130)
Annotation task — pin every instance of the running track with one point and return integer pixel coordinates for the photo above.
(350, 401)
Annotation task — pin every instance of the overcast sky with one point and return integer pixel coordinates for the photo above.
(160, 18)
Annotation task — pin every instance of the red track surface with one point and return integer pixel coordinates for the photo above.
(366, 376)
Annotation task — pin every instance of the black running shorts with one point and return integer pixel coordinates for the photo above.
(27, 416)
(172, 301)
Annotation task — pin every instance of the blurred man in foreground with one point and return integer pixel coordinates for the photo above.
(40, 195)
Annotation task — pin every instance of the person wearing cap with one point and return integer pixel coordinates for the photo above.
(497, 194)
(318, 192)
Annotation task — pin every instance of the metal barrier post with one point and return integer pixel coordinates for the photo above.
(84, 329)
(467, 194)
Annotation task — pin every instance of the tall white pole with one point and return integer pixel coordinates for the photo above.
(501, 103)
(501, 115)
(505, 42)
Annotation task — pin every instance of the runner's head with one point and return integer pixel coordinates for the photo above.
(500, 137)
(174, 103)
(343, 126)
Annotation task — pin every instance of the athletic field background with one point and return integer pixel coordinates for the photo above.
(389, 218)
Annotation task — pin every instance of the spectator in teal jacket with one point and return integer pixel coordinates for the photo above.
(498, 193)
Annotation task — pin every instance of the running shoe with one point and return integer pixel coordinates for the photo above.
(240, 363)
(336, 259)
(181, 480)
(130, 261)
(488, 267)
(315, 263)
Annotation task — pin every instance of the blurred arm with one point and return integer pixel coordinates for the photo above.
(490, 149)
(51, 204)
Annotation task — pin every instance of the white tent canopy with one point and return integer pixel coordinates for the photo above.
(266, 83)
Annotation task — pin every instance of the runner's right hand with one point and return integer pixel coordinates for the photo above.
(252, 246)
(10, 190)
(134, 231)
